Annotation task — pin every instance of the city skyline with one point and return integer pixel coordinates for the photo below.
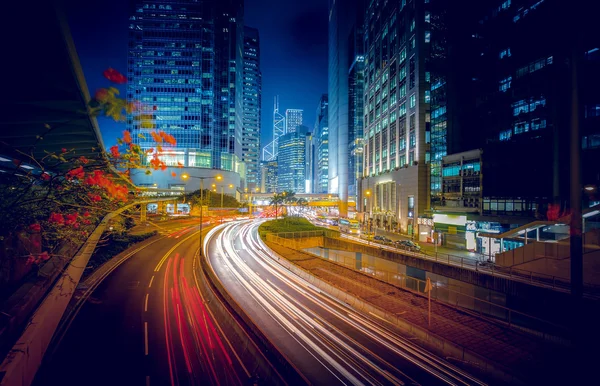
(282, 75)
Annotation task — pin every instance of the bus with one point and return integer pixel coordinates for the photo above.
(349, 226)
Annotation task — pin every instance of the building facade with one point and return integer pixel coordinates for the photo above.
(321, 145)
(397, 113)
(251, 123)
(356, 85)
(293, 119)
(183, 65)
(524, 104)
(268, 180)
(291, 161)
(270, 149)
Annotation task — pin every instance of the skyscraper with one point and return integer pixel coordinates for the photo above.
(356, 85)
(402, 60)
(293, 119)
(251, 107)
(270, 150)
(183, 66)
(268, 180)
(291, 161)
(321, 141)
(344, 16)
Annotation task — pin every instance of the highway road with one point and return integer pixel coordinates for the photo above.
(327, 341)
(147, 324)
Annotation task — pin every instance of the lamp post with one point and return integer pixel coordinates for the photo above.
(186, 177)
(368, 195)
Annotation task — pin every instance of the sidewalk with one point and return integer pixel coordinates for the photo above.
(430, 249)
(530, 359)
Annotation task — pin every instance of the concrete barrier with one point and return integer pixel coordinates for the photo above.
(246, 349)
(287, 370)
(24, 359)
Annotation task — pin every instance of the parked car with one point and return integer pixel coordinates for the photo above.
(407, 244)
(386, 240)
(378, 238)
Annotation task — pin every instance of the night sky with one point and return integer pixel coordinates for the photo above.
(293, 52)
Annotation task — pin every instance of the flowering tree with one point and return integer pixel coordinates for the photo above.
(62, 200)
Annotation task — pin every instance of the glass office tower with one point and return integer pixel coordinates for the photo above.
(184, 57)
(251, 107)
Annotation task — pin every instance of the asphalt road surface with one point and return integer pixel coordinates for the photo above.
(147, 324)
(328, 341)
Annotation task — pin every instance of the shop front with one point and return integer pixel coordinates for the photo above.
(452, 229)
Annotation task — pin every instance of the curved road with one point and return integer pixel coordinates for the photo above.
(327, 341)
(147, 324)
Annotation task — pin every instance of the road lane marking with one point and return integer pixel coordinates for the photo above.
(146, 303)
(151, 279)
(146, 338)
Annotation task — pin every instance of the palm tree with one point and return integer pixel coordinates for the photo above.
(303, 203)
(277, 199)
(289, 197)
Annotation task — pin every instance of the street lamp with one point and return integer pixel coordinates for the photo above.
(186, 177)
(368, 195)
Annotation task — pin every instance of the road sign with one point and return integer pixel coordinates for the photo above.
(428, 286)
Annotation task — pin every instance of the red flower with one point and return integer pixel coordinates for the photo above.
(56, 218)
(83, 160)
(45, 176)
(114, 150)
(44, 256)
(101, 95)
(95, 197)
(76, 173)
(126, 137)
(35, 227)
(86, 221)
(71, 219)
(114, 76)
(86, 214)
(63, 150)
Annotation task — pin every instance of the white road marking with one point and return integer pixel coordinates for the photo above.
(146, 303)
(150, 285)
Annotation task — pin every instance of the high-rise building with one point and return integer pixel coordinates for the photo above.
(268, 180)
(183, 66)
(291, 161)
(270, 150)
(321, 144)
(356, 85)
(252, 90)
(344, 16)
(523, 78)
(293, 119)
(404, 108)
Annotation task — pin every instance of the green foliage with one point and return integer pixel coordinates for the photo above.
(115, 244)
(212, 199)
(289, 224)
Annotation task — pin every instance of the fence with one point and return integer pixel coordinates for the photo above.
(488, 268)
(445, 294)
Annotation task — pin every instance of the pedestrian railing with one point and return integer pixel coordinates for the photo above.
(480, 265)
